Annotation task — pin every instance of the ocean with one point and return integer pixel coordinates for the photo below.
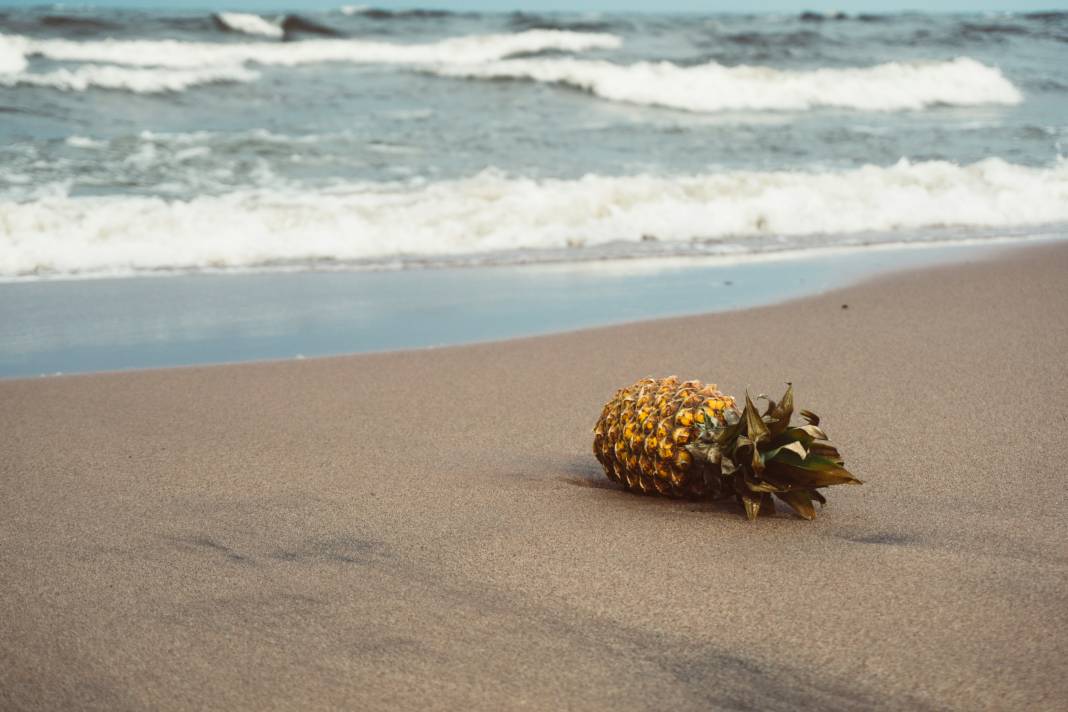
(362, 179)
(155, 142)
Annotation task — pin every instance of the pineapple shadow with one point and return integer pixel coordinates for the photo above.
(581, 472)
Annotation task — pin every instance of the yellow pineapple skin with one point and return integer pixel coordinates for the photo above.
(641, 435)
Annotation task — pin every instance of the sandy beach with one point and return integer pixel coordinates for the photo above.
(429, 530)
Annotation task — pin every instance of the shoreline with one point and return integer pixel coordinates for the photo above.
(611, 253)
(127, 324)
(429, 530)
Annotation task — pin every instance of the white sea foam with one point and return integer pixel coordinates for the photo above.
(714, 87)
(179, 54)
(703, 88)
(85, 142)
(493, 212)
(12, 59)
(249, 24)
(138, 80)
(149, 78)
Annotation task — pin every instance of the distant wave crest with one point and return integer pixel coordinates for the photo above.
(710, 87)
(248, 24)
(12, 58)
(156, 66)
(714, 87)
(493, 212)
(470, 49)
(141, 80)
(136, 80)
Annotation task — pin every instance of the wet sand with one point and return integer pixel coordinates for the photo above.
(428, 529)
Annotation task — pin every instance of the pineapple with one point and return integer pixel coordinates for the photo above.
(688, 440)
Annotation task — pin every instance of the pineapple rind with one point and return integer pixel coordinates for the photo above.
(641, 435)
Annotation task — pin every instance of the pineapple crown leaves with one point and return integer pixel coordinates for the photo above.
(763, 454)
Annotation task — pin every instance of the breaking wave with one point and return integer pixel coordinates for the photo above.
(491, 212)
(247, 24)
(157, 66)
(137, 80)
(12, 59)
(471, 49)
(710, 87)
(714, 87)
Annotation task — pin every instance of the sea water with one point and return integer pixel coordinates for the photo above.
(139, 144)
(50, 327)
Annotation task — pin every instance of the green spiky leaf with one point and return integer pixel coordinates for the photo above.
(810, 474)
(754, 425)
(827, 451)
(800, 501)
(778, 414)
(793, 447)
(752, 506)
(754, 483)
(760, 455)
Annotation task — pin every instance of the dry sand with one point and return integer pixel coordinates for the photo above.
(429, 530)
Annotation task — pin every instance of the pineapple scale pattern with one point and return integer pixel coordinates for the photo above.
(641, 436)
